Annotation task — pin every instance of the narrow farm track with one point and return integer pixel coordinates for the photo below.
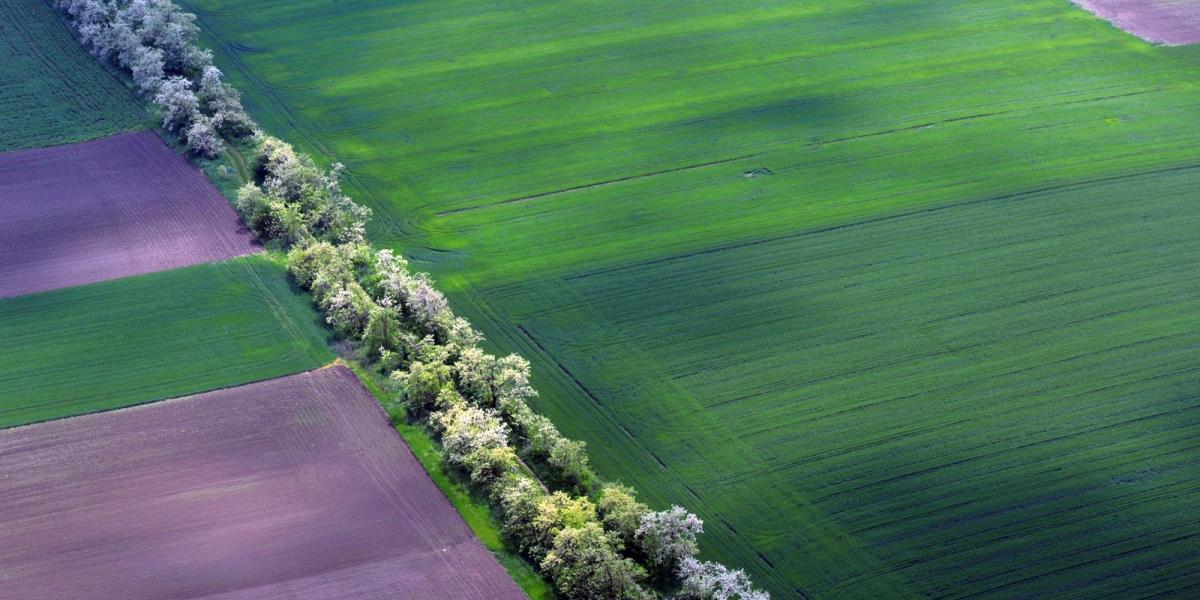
(932, 331)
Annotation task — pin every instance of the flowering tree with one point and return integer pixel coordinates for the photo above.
(179, 103)
(714, 581)
(668, 537)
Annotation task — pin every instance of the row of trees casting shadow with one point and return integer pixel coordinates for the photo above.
(591, 539)
(154, 41)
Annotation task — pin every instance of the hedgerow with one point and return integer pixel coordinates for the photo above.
(154, 41)
(590, 540)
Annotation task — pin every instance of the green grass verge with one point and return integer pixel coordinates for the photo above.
(474, 510)
(135, 340)
(51, 91)
(689, 216)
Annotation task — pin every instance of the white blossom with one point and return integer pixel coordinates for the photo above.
(714, 581)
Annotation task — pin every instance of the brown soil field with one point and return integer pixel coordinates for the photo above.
(108, 208)
(294, 488)
(1169, 22)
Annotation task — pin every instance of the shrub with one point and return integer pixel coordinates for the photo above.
(315, 196)
(620, 512)
(539, 433)
(668, 538)
(713, 581)
(203, 139)
(333, 263)
(422, 384)
(424, 304)
(162, 25)
(518, 497)
(468, 429)
(458, 333)
(569, 461)
(347, 310)
(584, 565)
(383, 332)
(224, 103)
(155, 42)
(147, 68)
(556, 512)
(179, 103)
(285, 223)
(486, 465)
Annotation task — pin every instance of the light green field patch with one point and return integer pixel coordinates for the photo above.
(691, 216)
(51, 91)
(129, 341)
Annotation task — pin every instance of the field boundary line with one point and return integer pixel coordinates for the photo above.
(883, 219)
(972, 117)
(598, 184)
(829, 532)
(165, 398)
(232, 50)
(281, 314)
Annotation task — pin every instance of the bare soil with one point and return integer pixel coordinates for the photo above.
(295, 488)
(1167, 22)
(108, 208)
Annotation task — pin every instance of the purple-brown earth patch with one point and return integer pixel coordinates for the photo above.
(108, 208)
(295, 488)
(1169, 22)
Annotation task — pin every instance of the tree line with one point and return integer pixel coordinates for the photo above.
(154, 41)
(591, 539)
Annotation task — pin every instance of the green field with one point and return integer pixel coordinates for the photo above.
(51, 91)
(901, 297)
(129, 341)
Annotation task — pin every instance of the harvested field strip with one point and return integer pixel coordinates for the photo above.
(51, 91)
(294, 488)
(144, 338)
(108, 208)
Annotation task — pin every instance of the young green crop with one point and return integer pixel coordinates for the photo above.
(140, 339)
(51, 91)
(691, 217)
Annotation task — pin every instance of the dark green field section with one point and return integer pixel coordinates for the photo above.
(51, 91)
(135, 340)
(900, 296)
(995, 399)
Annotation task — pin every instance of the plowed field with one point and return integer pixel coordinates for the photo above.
(1172, 22)
(108, 208)
(295, 488)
